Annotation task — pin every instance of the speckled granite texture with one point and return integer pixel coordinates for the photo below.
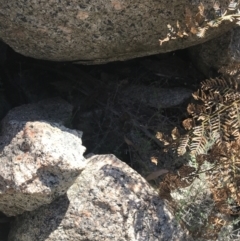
(91, 31)
(39, 160)
(109, 201)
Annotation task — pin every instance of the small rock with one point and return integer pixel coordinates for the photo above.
(219, 55)
(156, 97)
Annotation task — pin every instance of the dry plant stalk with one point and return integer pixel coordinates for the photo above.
(199, 24)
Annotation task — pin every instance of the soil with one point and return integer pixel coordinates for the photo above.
(135, 133)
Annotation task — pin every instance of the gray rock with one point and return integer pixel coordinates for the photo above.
(156, 97)
(54, 110)
(39, 160)
(109, 201)
(221, 54)
(234, 47)
(107, 30)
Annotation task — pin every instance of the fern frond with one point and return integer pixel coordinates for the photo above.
(231, 96)
(220, 86)
(182, 148)
(230, 69)
(230, 18)
(212, 99)
(188, 123)
(217, 117)
(202, 31)
(232, 123)
(198, 130)
(196, 110)
(214, 142)
(214, 124)
(198, 140)
(198, 145)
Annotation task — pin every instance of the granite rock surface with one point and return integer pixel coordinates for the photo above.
(101, 31)
(39, 159)
(108, 201)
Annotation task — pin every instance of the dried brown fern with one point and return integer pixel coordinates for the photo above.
(183, 178)
(213, 141)
(215, 116)
(204, 21)
(224, 178)
(215, 138)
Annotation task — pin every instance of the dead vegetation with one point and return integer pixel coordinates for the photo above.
(203, 20)
(212, 144)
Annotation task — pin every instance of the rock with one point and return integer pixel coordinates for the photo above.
(234, 47)
(156, 97)
(102, 31)
(39, 159)
(51, 110)
(219, 55)
(108, 201)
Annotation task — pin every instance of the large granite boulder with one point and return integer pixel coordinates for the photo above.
(109, 201)
(39, 160)
(107, 30)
